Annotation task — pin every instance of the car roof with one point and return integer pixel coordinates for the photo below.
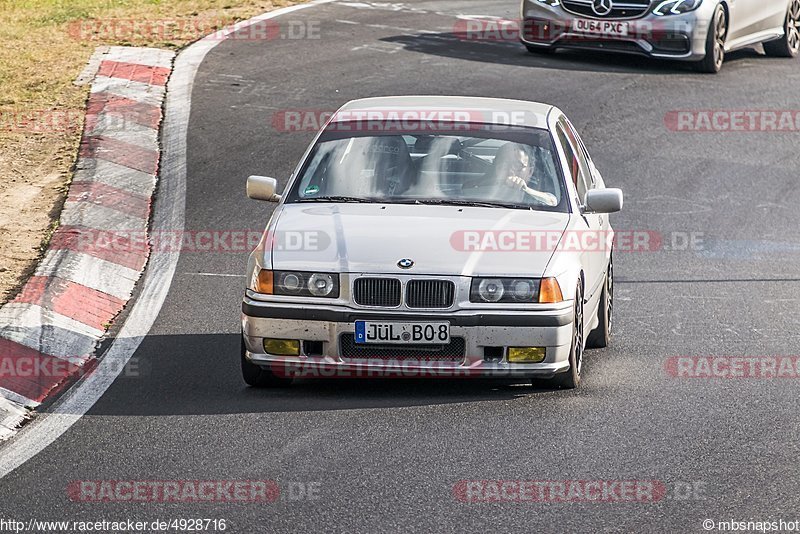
(478, 109)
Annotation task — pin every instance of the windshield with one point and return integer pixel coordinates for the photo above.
(484, 166)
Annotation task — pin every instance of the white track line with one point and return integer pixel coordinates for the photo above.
(153, 57)
(114, 126)
(22, 316)
(168, 216)
(108, 277)
(113, 174)
(137, 91)
(100, 218)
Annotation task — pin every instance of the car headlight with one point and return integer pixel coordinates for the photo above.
(490, 290)
(321, 285)
(676, 7)
(296, 283)
(512, 290)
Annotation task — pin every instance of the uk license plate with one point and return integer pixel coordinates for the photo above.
(601, 27)
(402, 333)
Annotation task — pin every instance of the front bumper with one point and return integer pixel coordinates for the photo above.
(327, 352)
(680, 37)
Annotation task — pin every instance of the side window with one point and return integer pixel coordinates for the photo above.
(313, 179)
(583, 154)
(577, 173)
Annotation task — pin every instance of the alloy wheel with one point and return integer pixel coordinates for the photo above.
(610, 290)
(720, 36)
(579, 333)
(793, 26)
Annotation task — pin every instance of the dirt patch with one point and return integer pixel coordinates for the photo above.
(32, 189)
(44, 46)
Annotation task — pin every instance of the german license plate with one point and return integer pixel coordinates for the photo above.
(402, 333)
(601, 27)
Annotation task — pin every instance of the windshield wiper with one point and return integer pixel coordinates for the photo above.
(431, 202)
(339, 199)
(471, 203)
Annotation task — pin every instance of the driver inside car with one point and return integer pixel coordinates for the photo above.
(514, 166)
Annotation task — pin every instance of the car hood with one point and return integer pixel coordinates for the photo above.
(440, 240)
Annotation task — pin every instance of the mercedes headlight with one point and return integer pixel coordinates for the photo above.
(676, 7)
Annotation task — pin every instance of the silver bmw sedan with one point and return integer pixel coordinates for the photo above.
(447, 236)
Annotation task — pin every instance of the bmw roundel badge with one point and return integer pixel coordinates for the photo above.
(405, 263)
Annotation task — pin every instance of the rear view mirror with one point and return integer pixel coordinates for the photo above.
(603, 201)
(262, 188)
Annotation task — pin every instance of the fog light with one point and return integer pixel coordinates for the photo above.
(526, 354)
(282, 347)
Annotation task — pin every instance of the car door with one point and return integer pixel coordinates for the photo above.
(775, 12)
(603, 219)
(589, 227)
(748, 17)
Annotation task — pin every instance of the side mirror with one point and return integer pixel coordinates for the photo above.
(262, 188)
(603, 201)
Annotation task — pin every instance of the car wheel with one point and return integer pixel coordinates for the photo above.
(259, 377)
(572, 378)
(540, 50)
(600, 337)
(789, 44)
(715, 43)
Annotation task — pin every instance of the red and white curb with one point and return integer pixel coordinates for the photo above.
(49, 331)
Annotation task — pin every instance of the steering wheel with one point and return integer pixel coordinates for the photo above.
(545, 199)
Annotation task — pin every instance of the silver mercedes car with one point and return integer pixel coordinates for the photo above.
(433, 236)
(702, 31)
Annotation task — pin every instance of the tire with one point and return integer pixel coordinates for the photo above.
(788, 45)
(600, 337)
(539, 50)
(715, 43)
(572, 378)
(257, 376)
